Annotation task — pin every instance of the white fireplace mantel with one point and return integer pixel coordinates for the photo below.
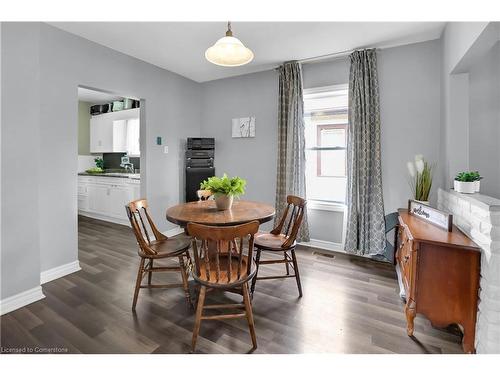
(478, 216)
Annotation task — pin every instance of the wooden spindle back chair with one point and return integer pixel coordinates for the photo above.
(221, 262)
(140, 220)
(282, 238)
(298, 206)
(155, 245)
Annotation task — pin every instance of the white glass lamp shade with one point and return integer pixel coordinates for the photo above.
(229, 51)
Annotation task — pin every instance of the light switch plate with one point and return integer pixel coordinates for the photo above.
(165, 149)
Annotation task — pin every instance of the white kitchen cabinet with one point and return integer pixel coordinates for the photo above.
(108, 132)
(119, 196)
(105, 198)
(98, 198)
(107, 136)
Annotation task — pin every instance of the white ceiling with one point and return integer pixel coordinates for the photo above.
(96, 97)
(180, 46)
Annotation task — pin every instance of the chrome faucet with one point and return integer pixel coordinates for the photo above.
(129, 167)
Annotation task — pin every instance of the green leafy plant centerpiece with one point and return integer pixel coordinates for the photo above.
(224, 189)
(420, 178)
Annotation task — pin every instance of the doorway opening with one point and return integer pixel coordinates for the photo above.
(109, 154)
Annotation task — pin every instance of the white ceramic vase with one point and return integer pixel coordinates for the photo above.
(477, 186)
(464, 187)
(223, 202)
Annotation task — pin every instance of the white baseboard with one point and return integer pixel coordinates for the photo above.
(93, 215)
(324, 245)
(57, 272)
(174, 231)
(21, 299)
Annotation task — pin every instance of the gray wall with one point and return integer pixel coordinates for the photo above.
(484, 115)
(409, 79)
(465, 47)
(251, 158)
(457, 40)
(409, 82)
(40, 58)
(20, 149)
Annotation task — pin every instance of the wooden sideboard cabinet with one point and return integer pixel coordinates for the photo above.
(440, 273)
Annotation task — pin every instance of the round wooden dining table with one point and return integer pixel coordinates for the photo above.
(205, 212)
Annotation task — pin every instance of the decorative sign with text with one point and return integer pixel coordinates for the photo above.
(432, 215)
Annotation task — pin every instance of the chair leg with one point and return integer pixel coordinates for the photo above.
(199, 311)
(254, 280)
(286, 263)
(185, 281)
(138, 283)
(249, 315)
(296, 268)
(150, 274)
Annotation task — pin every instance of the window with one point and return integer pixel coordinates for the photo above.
(325, 117)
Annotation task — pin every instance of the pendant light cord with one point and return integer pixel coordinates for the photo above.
(229, 32)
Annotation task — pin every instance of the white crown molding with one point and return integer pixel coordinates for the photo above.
(21, 299)
(60, 271)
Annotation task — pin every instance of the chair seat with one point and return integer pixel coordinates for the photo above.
(273, 242)
(171, 247)
(223, 274)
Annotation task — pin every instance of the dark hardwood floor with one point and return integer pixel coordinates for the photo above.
(350, 305)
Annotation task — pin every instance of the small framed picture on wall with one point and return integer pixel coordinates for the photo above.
(243, 127)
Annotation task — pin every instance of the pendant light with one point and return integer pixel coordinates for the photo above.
(229, 51)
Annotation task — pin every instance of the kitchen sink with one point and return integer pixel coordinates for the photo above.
(118, 174)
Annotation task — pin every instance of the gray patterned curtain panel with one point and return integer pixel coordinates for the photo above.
(365, 216)
(291, 176)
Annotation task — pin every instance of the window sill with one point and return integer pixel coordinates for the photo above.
(326, 206)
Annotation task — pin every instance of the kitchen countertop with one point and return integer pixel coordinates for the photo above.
(131, 176)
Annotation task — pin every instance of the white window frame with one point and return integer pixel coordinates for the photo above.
(316, 204)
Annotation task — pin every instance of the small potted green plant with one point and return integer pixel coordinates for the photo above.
(224, 189)
(99, 166)
(467, 182)
(420, 178)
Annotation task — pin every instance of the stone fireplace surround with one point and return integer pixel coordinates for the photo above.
(478, 216)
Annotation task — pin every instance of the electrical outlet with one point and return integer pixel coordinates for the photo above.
(165, 149)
